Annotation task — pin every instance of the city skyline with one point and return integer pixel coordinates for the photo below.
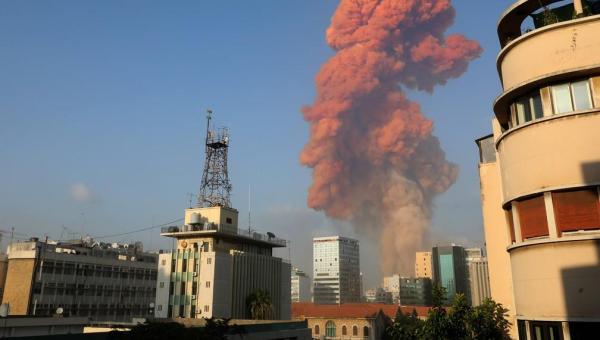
(137, 113)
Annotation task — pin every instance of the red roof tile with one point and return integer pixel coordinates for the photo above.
(301, 310)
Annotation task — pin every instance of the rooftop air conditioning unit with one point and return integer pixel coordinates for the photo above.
(193, 297)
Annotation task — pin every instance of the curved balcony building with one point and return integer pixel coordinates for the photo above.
(540, 170)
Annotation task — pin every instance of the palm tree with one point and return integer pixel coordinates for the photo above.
(259, 305)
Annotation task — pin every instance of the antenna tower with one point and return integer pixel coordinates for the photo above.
(215, 190)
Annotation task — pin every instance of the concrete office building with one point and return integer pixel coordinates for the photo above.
(215, 267)
(415, 291)
(391, 284)
(102, 281)
(449, 270)
(423, 265)
(477, 276)
(336, 273)
(378, 295)
(301, 285)
(540, 170)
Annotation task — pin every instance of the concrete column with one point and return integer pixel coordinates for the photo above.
(516, 222)
(565, 329)
(528, 330)
(550, 215)
(578, 7)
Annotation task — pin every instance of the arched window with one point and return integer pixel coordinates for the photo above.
(344, 331)
(354, 330)
(316, 329)
(366, 331)
(330, 328)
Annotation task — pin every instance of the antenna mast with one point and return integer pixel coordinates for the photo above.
(215, 189)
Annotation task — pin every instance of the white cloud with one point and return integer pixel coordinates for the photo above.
(81, 193)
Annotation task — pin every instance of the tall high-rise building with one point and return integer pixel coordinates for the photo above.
(423, 266)
(301, 285)
(449, 270)
(477, 276)
(540, 170)
(336, 273)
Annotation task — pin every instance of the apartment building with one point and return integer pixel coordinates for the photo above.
(301, 285)
(423, 265)
(102, 281)
(540, 170)
(477, 276)
(449, 270)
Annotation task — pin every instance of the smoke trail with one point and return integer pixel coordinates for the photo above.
(375, 162)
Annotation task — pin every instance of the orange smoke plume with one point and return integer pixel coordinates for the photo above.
(375, 161)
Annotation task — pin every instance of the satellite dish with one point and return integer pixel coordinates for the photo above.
(270, 234)
(151, 304)
(59, 310)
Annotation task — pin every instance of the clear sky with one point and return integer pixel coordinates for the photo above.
(102, 115)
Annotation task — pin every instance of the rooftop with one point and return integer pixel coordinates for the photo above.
(213, 230)
(351, 310)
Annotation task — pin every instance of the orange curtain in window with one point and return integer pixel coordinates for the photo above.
(576, 210)
(532, 215)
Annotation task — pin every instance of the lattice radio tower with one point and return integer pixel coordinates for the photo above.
(215, 190)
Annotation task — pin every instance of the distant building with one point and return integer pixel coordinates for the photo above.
(415, 291)
(449, 270)
(301, 285)
(216, 266)
(102, 281)
(391, 284)
(336, 274)
(364, 321)
(477, 275)
(378, 295)
(423, 264)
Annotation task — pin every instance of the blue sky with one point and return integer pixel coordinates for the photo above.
(102, 114)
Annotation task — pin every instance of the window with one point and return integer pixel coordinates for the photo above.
(330, 328)
(576, 210)
(354, 330)
(528, 108)
(206, 308)
(344, 330)
(162, 285)
(228, 220)
(163, 262)
(546, 330)
(159, 308)
(366, 331)
(316, 329)
(209, 260)
(571, 97)
(532, 215)
(207, 284)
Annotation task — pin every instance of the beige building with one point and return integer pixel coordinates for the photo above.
(423, 266)
(215, 267)
(477, 276)
(391, 284)
(102, 281)
(351, 321)
(540, 170)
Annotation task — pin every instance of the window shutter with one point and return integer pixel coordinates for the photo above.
(576, 210)
(532, 215)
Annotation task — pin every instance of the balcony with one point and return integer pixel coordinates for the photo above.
(543, 13)
(211, 228)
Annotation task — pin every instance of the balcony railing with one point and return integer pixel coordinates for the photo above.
(215, 227)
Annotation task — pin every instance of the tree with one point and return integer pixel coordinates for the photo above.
(259, 305)
(459, 318)
(405, 327)
(488, 321)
